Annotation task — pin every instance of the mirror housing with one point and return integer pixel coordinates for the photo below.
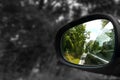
(109, 68)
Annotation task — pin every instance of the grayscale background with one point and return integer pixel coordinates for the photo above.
(27, 33)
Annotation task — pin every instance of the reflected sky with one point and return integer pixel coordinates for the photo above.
(97, 32)
(94, 27)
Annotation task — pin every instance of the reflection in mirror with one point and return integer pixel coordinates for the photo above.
(89, 44)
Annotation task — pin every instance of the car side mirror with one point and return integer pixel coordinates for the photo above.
(90, 43)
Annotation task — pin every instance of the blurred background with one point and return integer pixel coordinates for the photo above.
(27, 33)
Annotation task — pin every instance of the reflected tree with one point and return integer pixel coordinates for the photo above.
(74, 40)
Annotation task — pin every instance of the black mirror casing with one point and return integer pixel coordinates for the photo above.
(110, 68)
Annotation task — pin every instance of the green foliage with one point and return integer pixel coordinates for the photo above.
(70, 57)
(92, 47)
(104, 23)
(90, 60)
(74, 40)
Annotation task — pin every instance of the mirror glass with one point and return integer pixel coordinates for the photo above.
(89, 44)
